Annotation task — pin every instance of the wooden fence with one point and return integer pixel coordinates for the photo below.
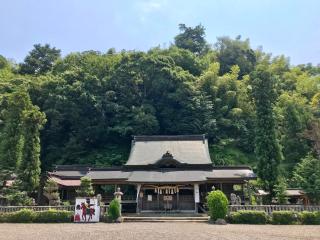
(270, 208)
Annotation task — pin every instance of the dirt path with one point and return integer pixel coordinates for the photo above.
(151, 231)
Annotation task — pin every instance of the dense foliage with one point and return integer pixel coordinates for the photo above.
(218, 205)
(307, 175)
(84, 107)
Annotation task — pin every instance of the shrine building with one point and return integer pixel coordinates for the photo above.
(163, 173)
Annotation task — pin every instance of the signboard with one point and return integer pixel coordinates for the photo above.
(167, 198)
(196, 193)
(150, 198)
(87, 210)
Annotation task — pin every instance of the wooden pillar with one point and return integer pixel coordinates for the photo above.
(177, 200)
(196, 197)
(137, 198)
(158, 199)
(249, 191)
(243, 194)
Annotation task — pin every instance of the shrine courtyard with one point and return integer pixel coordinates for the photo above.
(150, 231)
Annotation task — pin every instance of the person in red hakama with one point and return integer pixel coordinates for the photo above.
(84, 211)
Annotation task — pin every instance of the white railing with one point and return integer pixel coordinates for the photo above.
(4, 209)
(270, 208)
(35, 208)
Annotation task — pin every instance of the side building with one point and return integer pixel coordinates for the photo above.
(163, 173)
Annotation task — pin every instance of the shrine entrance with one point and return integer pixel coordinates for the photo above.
(166, 198)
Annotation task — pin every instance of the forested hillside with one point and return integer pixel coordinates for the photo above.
(83, 108)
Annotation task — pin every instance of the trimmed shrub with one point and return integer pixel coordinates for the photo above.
(310, 218)
(53, 216)
(248, 217)
(114, 210)
(218, 205)
(22, 216)
(284, 217)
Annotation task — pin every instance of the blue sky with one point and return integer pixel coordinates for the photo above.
(289, 27)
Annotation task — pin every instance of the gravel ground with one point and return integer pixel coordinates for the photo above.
(150, 231)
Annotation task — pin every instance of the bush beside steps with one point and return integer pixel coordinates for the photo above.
(114, 212)
(29, 216)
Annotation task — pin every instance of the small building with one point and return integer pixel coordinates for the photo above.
(163, 173)
(296, 196)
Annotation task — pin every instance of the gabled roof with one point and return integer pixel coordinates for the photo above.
(186, 149)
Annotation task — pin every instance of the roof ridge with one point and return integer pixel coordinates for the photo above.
(169, 137)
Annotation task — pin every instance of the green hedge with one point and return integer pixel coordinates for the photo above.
(284, 217)
(53, 216)
(22, 216)
(29, 216)
(248, 217)
(309, 218)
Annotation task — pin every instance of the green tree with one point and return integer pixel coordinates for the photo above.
(307, 176)
(39, 60)
(280, 189)
(267, 148)
(313, 134)
(16, 195)
(293, 115)
(29, 169)
(86, 189)
(192, 39)
(235, 52)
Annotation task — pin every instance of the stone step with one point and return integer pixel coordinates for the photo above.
(165, 219)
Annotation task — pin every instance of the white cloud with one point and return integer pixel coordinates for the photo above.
(148, 6)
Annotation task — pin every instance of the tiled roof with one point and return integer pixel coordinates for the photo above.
(190, 149)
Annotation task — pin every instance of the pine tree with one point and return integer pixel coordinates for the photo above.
(51, 192)
(86, 189)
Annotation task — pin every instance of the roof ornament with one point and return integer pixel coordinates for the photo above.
(167, 155)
